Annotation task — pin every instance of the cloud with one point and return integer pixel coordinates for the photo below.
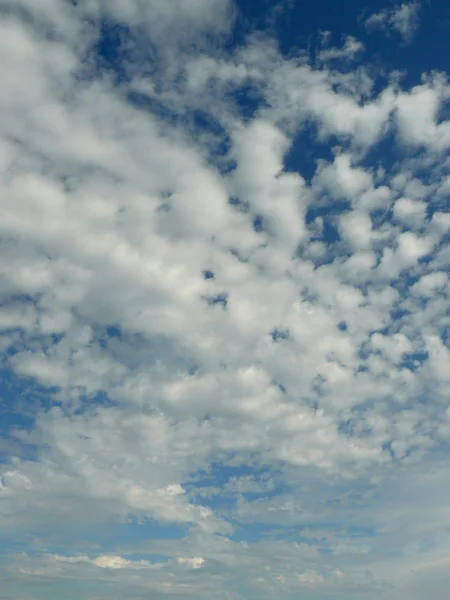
(310, 578)
(417, 115)
(194, 563)
(404, 19)
(105, 562)
(226, 373)
(351, 48)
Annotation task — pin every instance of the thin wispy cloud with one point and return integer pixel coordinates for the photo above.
(403, 19)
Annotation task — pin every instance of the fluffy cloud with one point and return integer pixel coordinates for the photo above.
(417, 115)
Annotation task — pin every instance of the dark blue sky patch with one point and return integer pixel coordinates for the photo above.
(203, 121)
(364, 351)
(308, 296)
(108, 333)
(384, 154)
(111, 48)
(249, 100)
(217, 300)
(151, 104)
(279, 334)
(405, 281)
(20, 299)
(280, 386)
(238, 204)
(414, 360)
(430, 256)
(437, 203)
(380, 216)
(296, 25)
(398, 313)
(445, 336)
(258, 221)
(326, 209)
(238, 255)
(306, 150)
(120, 53)
(327, 232)
(342, 326)
(330, 231)
(114, 331)
(21, 401)
(208, 274)
(251, 17)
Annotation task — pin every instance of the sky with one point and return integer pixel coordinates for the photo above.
(224, 312)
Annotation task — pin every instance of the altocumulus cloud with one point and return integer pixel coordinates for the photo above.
(224, 306)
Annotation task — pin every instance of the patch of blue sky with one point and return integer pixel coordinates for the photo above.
(21, 401)
(217, 300)
(297, 25)
(219, 473)
(110, 51)
(279, 334)
(224, 476)
(306, 151)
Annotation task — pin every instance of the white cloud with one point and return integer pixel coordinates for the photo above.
(330, 100)
(310, 578)
(404, 19)
(194, 563)
(168, 23)
(105, 561)
(429, 284)
(343, 181)
(350, 50)
(356, 229)
(417, 115)
(411, 213)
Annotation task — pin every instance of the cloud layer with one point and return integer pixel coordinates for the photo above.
(224, 311)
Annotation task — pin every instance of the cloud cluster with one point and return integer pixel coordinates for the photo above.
(252, 356)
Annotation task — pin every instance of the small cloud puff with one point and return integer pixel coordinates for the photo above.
(310, 578)
(105, 561)
(350, 50)
(192, 563)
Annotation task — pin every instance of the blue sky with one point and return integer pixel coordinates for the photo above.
(224, 271)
